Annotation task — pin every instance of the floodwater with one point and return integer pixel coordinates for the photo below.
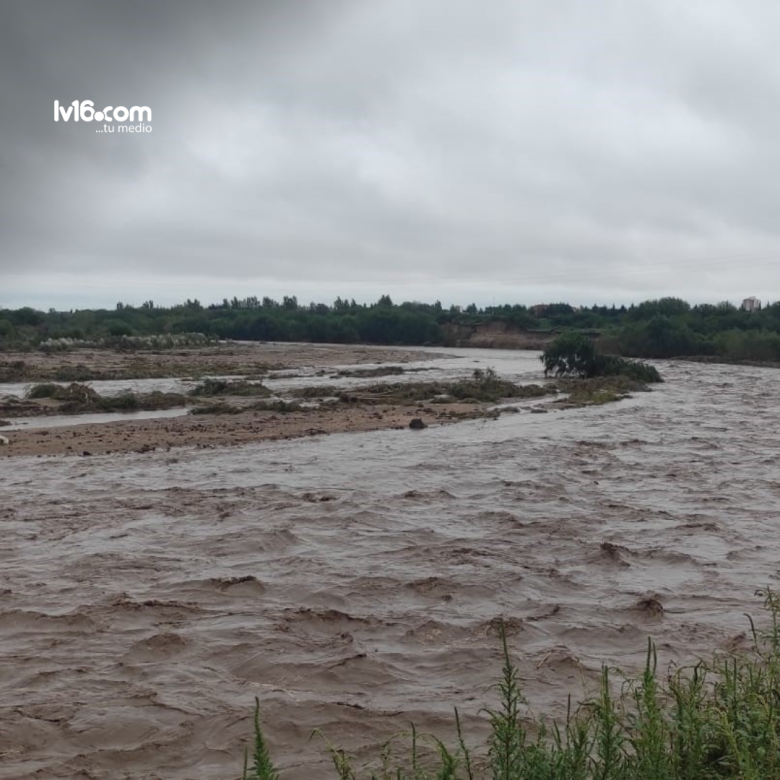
(354, 582)
(66, 420)
(521, 365)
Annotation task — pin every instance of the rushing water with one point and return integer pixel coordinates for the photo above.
(354, 581)
(66, 420)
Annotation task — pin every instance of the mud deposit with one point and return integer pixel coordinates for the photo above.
(354, 581)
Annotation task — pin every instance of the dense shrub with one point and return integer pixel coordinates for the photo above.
(749, 345)
(575, 355)
(662, 337)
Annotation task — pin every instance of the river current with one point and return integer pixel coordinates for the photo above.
(354, 582)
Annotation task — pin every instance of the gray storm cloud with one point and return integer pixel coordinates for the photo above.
(454, 150)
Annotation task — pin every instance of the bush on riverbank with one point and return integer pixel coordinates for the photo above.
(575, 355)
(717, 720)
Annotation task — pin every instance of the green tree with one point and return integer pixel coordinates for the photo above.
(571, 354)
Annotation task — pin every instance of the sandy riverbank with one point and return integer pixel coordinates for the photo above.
(218, 430)
(221, 359)
(222, 430)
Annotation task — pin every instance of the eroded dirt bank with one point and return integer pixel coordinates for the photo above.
(354, 581)
(497, 335)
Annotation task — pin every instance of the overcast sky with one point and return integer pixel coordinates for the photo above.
(461, 150)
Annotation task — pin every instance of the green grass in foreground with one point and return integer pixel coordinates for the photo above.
(717, 719)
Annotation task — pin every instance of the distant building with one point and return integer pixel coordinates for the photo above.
(751, 304)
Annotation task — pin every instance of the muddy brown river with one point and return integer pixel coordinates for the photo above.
(354, 582)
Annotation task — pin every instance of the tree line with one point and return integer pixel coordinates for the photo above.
(661, 328)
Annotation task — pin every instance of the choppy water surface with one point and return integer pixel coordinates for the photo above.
(354, 581)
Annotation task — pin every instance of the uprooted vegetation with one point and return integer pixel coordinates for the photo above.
(77, 398)
(715, 720)
(597, 390)
(22, 371)
(213, 395)
(378, 371)
(483, 387)
(11, 406)
(211, 387)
